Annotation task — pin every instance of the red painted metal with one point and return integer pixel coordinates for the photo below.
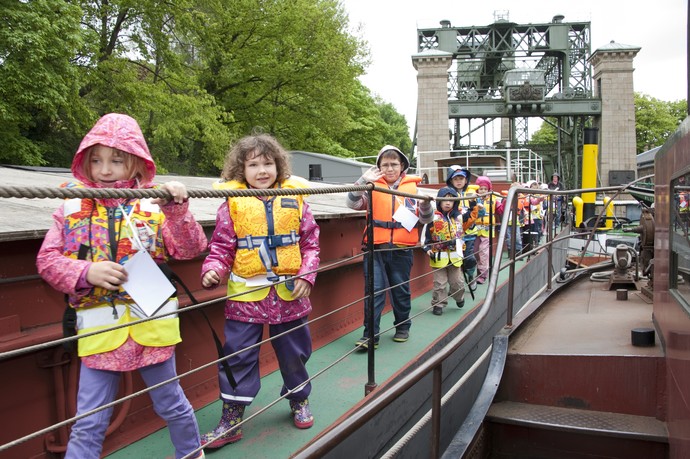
(671, 316)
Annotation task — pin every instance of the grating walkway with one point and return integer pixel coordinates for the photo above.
(575, 420)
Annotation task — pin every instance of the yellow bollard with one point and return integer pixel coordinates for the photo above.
(578, 205)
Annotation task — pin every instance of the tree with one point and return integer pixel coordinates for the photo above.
(39, 84)
(286, 66)
(371, 124)
(138, 61)
(195, 74)
(546, 134)
(656, 120)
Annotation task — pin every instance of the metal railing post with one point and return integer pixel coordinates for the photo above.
(369, 309)
(511, 269)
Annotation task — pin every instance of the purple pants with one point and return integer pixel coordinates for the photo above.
(99, 387)
(292, 350)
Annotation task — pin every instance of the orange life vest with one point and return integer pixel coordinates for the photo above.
(386, 229)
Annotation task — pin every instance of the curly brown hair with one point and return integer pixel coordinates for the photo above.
(251, 146)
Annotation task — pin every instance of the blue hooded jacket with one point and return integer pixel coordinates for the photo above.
(448, 191)
(454, 171)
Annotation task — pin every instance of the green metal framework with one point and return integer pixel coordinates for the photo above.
(483, 55)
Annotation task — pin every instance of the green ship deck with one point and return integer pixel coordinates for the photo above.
(272, 434)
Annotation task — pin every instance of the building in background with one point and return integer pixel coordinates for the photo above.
(317, 167)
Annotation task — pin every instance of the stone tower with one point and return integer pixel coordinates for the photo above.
(433, 132)
(613, 83)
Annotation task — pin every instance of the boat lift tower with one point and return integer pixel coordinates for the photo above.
(510, 72)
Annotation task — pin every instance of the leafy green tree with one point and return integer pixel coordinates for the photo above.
(138, 62)
(38, 82)
(371, 124)
(195, 74)
(546, 134)
(656, 120)
(286, 66)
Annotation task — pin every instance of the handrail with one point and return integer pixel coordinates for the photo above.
(358, 419)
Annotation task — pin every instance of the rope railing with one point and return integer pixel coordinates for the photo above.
(32, 192)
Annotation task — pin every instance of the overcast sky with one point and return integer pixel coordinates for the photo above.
(390, 27)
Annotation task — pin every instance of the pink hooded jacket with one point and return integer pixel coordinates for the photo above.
(182, 235)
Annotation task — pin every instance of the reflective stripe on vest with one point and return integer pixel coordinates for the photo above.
(163, 331)
(240, 289)
(445, 258)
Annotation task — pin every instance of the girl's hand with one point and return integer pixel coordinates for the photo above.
(210, 279)
(106, 274)
(178, 191)
(302, 289)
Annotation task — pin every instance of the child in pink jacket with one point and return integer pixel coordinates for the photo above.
(83, 255)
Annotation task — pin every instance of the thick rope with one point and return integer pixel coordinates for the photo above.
(30, 192)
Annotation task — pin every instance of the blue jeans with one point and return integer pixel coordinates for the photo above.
(99, 387)
(391, 267)
(518, 239)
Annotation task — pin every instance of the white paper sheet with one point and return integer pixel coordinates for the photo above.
(406, 218)
(146, 283)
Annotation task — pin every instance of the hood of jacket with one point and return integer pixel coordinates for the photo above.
(116, 131)
(483, 180)
(454, 171)
(448, 191)
(403, 159)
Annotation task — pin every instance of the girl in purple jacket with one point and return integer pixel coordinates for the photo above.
(267, 248)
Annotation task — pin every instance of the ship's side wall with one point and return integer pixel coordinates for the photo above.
(671, 310)
(398, 419)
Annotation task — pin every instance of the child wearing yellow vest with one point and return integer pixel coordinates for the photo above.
(443, 242)
(484, 226)
(83, 255)
(270, 242)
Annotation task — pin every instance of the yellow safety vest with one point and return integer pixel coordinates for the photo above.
(443, 230)
(267, 241)
(102, 308)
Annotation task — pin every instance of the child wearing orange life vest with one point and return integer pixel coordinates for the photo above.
(259, 241)
(443, 242)
(393, 241)
(501, 208)
(83, 254)
(484, 226)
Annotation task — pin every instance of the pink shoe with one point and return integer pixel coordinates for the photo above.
(224, 434)
(301, 414)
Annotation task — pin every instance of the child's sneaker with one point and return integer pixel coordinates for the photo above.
(301, 414)
(460, 303)
(401, 336)
(437, 311)
(363, 343)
